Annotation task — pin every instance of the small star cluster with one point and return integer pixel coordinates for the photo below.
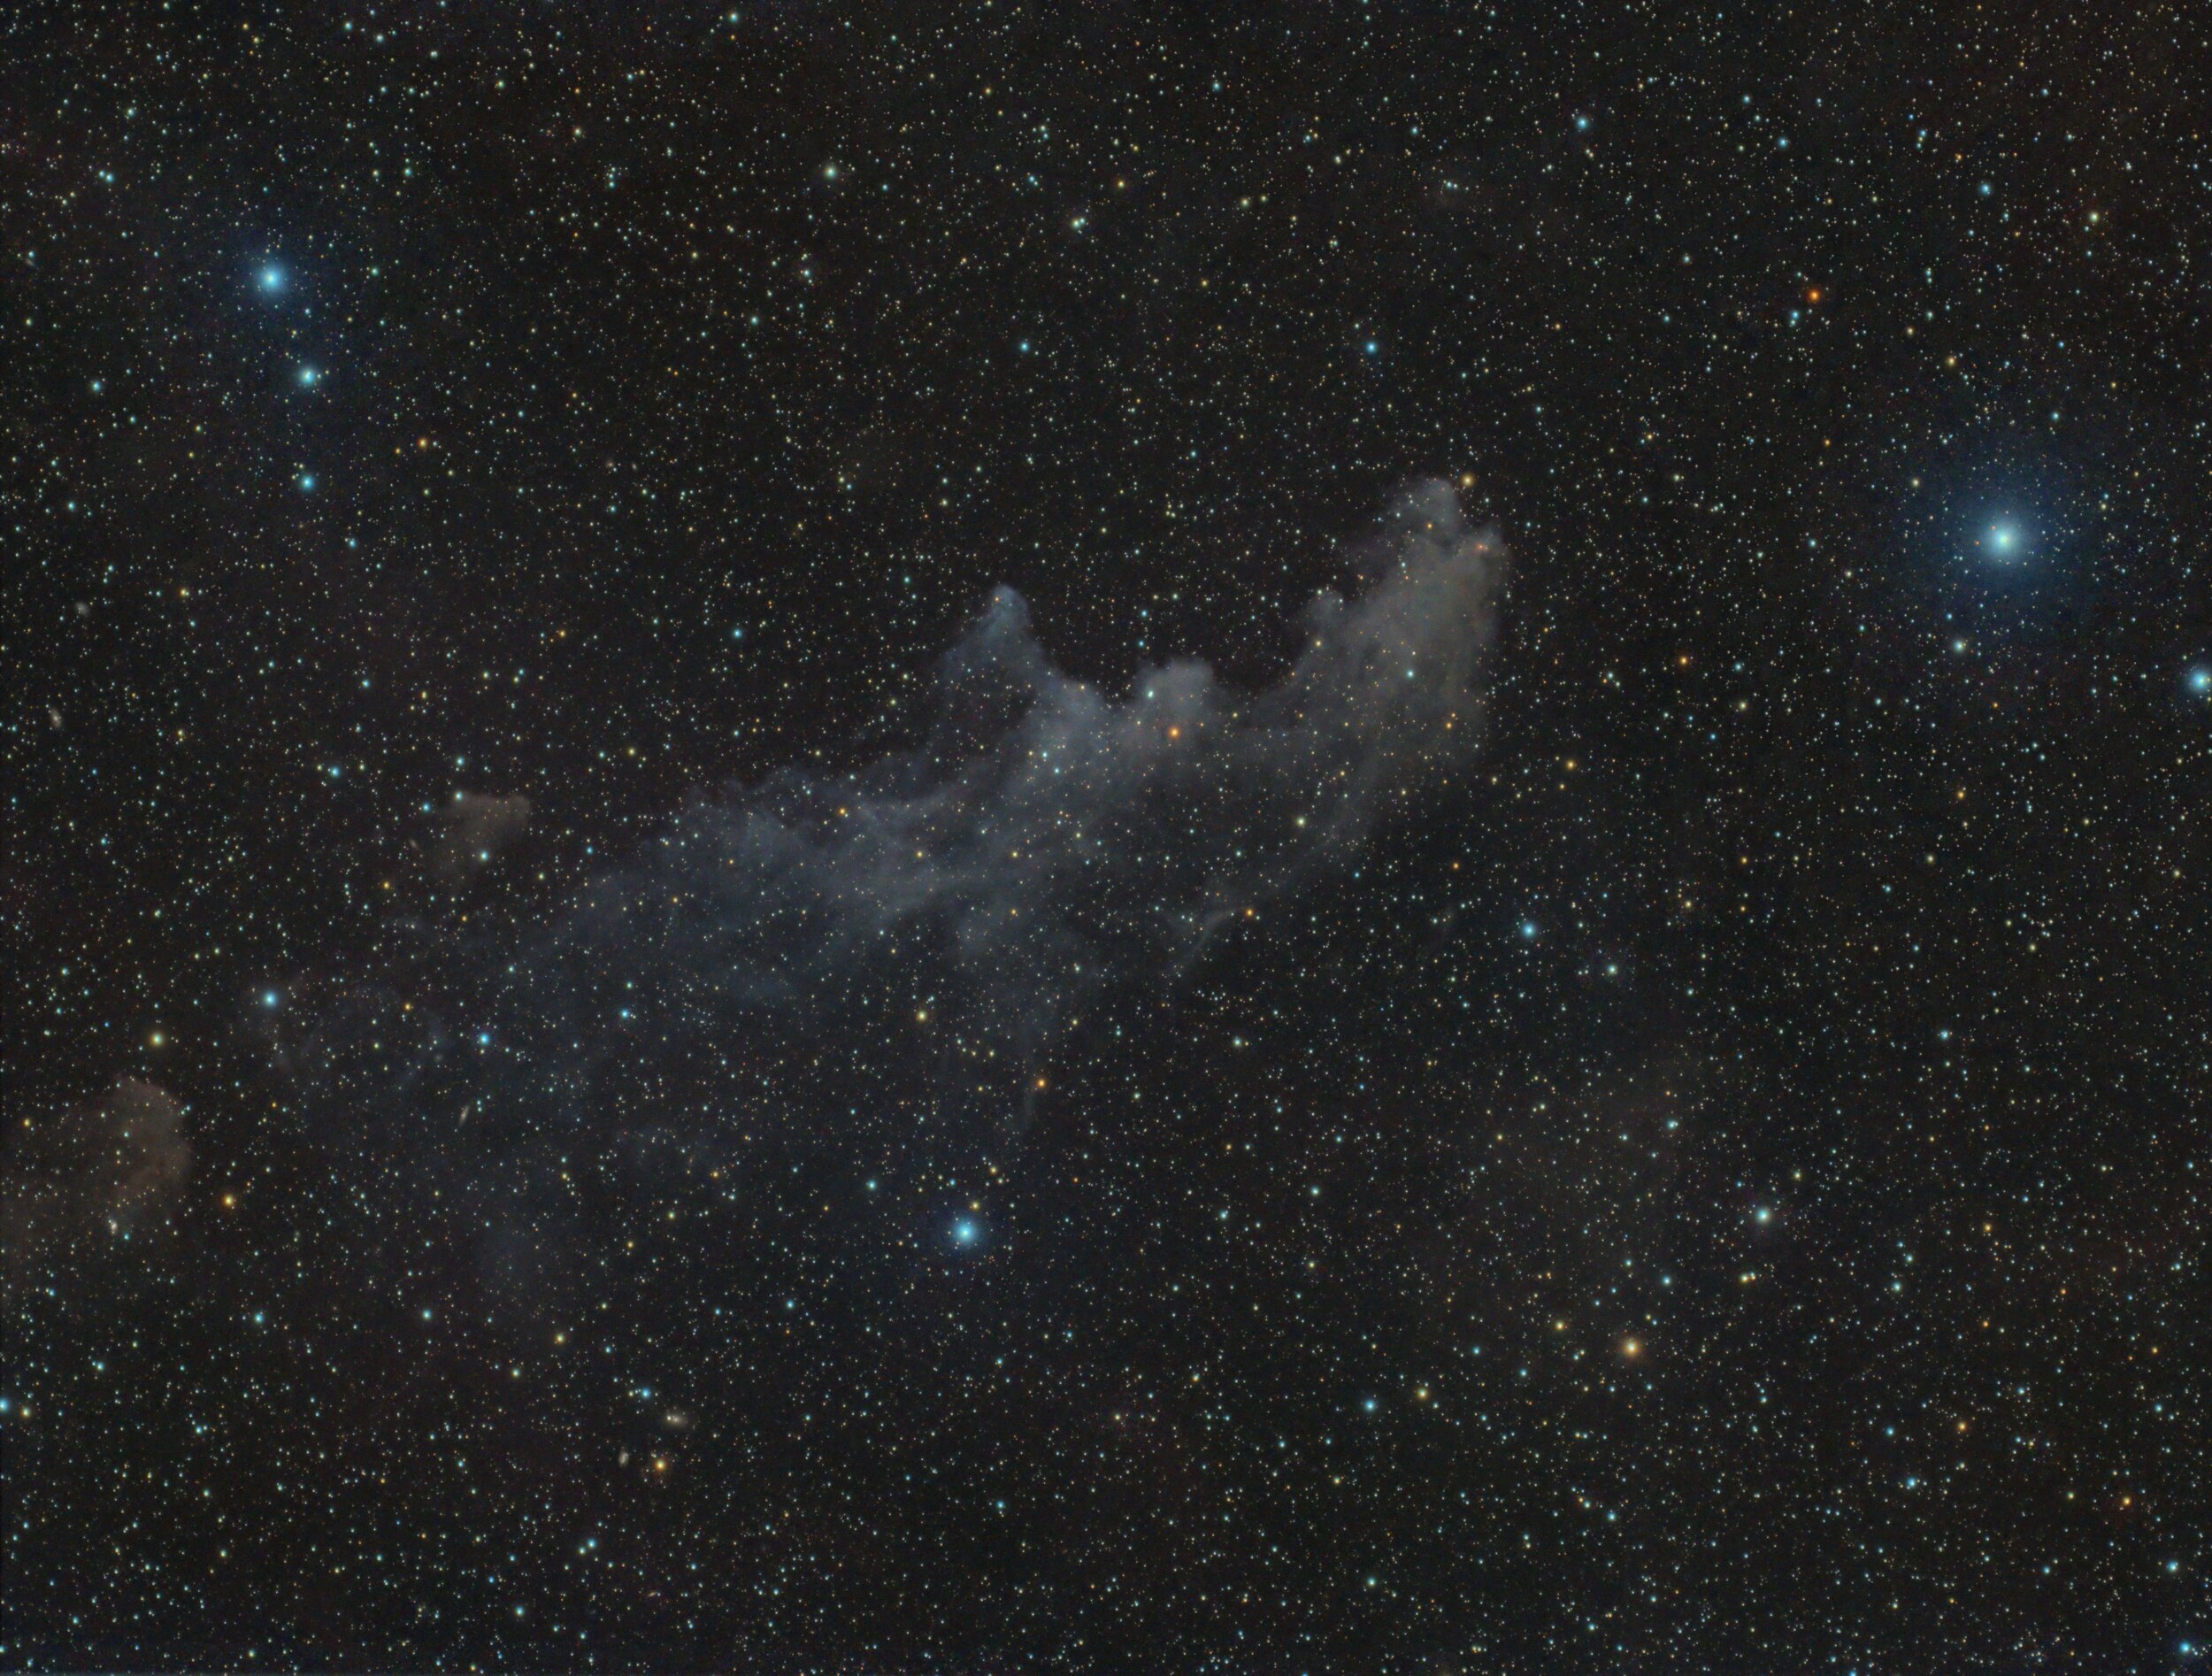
(1274, 839)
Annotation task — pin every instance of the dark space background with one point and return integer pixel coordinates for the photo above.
(1716, 1182)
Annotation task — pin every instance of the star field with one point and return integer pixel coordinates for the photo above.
(1298, 839)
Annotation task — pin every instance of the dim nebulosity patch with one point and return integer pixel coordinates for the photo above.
(92, 1180)
(475, 828)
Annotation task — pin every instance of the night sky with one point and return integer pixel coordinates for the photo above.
(874, 838)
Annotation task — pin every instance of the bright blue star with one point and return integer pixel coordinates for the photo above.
(966, 1233)
(2004, 541)
(1528, 928)
(308, 375)
(272, 279)
(1373, 347)
(268, 997)
(307, 482)
(2200, 679)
